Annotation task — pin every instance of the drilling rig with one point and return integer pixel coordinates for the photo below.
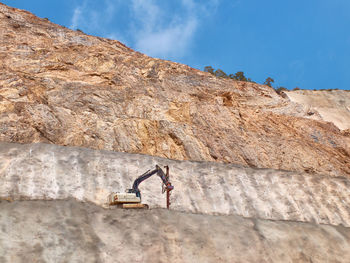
(131, 199)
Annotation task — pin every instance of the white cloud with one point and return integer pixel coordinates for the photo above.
(146, 12)
(85, 17)
(164, 34)
(171, 41)
(153, 27)
(76, 17)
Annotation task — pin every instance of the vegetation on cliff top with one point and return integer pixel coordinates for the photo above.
(239, 75)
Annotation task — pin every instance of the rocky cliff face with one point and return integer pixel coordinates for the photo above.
(67, 88)
(51, 198)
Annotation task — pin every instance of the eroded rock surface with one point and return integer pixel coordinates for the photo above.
(331, 105)
(46, 172)
(64, 87)
(70, 231)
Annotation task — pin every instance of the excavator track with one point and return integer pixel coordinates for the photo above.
(135, 206)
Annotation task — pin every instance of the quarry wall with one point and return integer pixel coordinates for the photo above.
(46, 172)
(332, 105)
(71, 231)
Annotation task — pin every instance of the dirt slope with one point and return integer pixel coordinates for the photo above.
(70, 231)
(67, 88)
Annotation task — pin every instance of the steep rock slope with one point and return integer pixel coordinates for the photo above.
(69, 231)
(68, 88)
(45, 172)
(327, 105)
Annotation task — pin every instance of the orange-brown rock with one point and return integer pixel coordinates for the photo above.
(68, 88)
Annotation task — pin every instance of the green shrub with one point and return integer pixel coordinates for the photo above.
(209, 69)
(268, 81)
(220, 73)
(239, 76)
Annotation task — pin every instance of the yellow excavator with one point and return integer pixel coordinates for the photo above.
(132, 198)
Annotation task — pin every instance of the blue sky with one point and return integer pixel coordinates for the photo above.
(298, 43)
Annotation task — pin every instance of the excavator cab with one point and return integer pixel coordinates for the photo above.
(132, 197)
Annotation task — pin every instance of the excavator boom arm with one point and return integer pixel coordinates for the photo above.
(132, 197)
(146, 175)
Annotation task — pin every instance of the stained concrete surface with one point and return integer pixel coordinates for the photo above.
(72, 231)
